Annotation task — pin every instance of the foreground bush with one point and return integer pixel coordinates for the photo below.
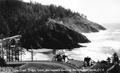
(2, 62)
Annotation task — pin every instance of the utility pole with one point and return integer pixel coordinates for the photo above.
(32, 55)
(31, 51)
(2, 41)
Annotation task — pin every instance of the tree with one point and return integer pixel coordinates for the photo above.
(109, 60)
(115, 58)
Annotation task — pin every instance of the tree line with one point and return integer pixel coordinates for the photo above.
(17, 17)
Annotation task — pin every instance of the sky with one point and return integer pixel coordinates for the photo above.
(100, 11)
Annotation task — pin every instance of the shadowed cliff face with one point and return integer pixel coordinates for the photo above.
(53, 35)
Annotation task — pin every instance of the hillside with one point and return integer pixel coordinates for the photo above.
(30, 20)
(82, 25)
(16, 17)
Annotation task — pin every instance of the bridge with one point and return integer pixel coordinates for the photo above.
(10, 48)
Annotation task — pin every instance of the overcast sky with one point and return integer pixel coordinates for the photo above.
(100, 11)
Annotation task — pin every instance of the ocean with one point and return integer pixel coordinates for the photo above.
(103, 44)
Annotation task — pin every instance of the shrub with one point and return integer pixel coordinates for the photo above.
(2, 62)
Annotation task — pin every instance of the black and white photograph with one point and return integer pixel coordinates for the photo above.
(59, 36)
